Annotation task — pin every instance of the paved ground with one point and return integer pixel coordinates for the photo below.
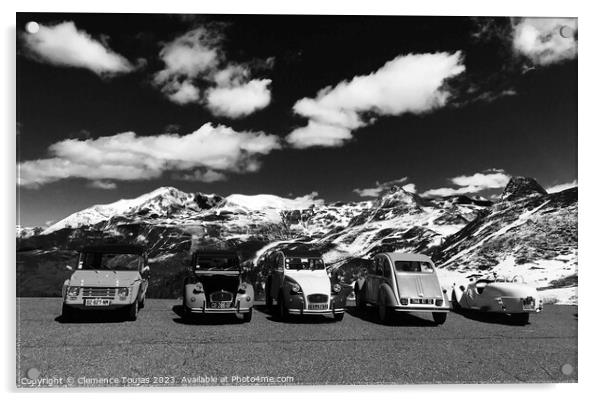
(160, 348)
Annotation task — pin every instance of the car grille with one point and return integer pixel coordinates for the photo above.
(99, 292)
(317, 298)
(221, 296)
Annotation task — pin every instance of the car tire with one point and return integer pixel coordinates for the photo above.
(246, 317)
(68, 313)
(454, 300)
(282, 309)
(384, 312)
(360, 303)
(439, 317)
(339, 316)
(520, 318)
(132, 312)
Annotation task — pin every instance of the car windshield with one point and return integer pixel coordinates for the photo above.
(304, 264)
(217, 262)
(109, 261)
(406, 266)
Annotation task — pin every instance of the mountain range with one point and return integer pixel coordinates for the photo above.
(526, 232)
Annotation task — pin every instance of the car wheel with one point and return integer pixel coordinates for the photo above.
(282, 309)
(339, 316)
(132, 312)
(67, 313)
(269, 302)
(360, 303)
(454, 300)
(439, 317)
(520, 318)
(246, 317)
(384, 313)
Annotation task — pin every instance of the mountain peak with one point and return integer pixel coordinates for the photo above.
(520, 187)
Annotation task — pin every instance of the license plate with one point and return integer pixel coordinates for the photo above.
(97, 302)
(421, 301)
(220, 305)
(317, 306)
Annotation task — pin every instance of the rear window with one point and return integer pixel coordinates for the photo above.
(404, 266)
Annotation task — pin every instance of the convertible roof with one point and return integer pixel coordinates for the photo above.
(114, 248)
(409, 257)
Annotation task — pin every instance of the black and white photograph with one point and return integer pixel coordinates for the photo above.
(226, 199)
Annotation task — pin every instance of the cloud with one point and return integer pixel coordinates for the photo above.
(100, 184)
(471, 184)
(127, 156)
(197, 72)
(64, 45)
(561, 187)
(239, 101)
(412, 83)
(545, 41)
(379, 188)
(200, 175)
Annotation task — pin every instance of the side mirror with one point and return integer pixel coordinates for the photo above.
(145, 269)
(70, 268)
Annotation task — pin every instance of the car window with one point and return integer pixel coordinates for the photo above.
(216, 262)
(379, 267)
(110, 261)
(406, 266)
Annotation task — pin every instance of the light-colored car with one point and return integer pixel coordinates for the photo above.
(402, 282)
(298, 284)
(497, 294)
(216, 285)
(107, 277)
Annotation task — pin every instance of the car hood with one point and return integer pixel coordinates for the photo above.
(104, 278)
(518, 290)
(418, 285)
(311, 282)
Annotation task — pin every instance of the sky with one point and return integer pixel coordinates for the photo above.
(111, 106)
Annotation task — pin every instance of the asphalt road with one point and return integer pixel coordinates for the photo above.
(162, 349)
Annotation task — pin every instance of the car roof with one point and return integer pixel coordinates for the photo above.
(301, 253)
(215, 252)
(114, 248)
(407, 257)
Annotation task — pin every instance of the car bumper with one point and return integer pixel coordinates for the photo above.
(404, 308)
(313, 312)
(113, 304)
(204, 310)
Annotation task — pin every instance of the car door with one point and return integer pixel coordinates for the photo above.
(387, 276)
(277, 274)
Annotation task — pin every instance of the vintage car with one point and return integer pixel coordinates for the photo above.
(497, 294)
(402, 282)
(297, 284)
(216, 285)
(107, 277)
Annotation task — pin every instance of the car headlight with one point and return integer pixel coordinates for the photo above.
(73, 291)
(336, 288)
(198, 288)
(295, 288)
(123, 292)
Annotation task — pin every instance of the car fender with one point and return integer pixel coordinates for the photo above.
(65, 285)
(136, 293)
(359, 283)
(390, 299)
(458, 293)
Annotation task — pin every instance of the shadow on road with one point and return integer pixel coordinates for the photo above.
(296, 319)
(206, 320)
(94, 317)
(370, 314)
(495, 318)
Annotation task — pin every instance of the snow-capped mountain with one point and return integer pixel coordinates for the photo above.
(161, 202)
(526, 231)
